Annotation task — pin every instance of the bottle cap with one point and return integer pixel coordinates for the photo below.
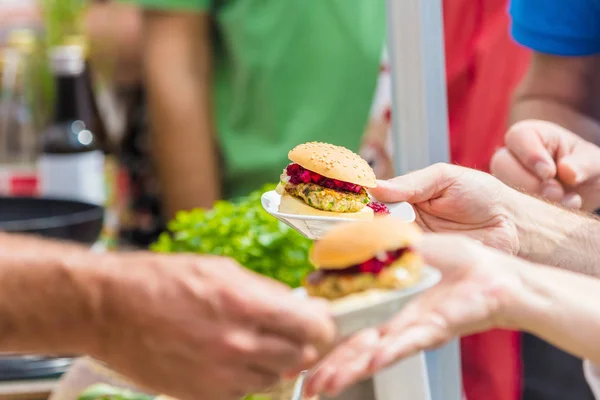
(78, 40)
(67, 60)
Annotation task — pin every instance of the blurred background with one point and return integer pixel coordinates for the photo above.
(173, 114)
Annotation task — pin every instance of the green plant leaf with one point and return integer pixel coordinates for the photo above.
(243, 230)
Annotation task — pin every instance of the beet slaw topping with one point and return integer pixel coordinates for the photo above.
(372, 266)
(379, 208)
(299, 174)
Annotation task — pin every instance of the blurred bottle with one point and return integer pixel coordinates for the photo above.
(110, 232)
(18, 137)
(71, 165)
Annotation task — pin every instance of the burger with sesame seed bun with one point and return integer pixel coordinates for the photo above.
(365, 257)
(327, 180)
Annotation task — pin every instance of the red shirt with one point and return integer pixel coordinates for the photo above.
(483, 67)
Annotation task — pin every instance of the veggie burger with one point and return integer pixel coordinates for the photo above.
(328, 180)
(361, 256)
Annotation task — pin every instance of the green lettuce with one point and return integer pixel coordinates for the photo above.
(244, 231)
(103, 391)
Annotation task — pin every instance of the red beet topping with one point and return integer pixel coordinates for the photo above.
(379, 208)
(299, 175)
(374, 265)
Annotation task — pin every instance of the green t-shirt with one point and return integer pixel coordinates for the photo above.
(288, 72)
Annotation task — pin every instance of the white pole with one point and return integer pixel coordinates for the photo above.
(420, 126)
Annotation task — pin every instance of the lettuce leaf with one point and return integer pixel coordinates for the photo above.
(244, 231)
(103, 391)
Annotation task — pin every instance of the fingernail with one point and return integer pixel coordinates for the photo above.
(577, 175)
(382, 184)
(310, 355)
(552, 193)
(543, 170)
(572, 201)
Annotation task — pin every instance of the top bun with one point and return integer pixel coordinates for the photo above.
(356, 242)
(334, 162)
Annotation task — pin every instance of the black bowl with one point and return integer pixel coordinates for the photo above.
(52, 218)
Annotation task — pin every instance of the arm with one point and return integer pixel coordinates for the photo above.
(559, 307)
(45, 289)
(551, 235)
(449, 198)
(563, 90)
(480, 289)
(177, 55)
(114, 30)
(563, 82)
(158, 319)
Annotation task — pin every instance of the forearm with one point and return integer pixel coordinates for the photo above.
(179, 99)
(547, 109)
(185, 155)
(551, 235)
(560, 307)
(562, 90)
(49, 296)
(115, 32)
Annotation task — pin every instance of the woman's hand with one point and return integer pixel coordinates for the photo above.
(478, 287)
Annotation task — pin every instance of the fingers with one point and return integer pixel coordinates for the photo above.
(404, 344)
(447, 252)
(580, 165)
(572, 200)
(275, 355)
(506, 167)
(533, 143)
(347, 364)
(278, 312)
(300, 320)
(254, 381)
(417, 186)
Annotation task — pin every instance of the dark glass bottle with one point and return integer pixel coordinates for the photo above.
(72, 162)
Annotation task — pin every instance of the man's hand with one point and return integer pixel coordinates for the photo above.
(545, 159)
(476, 291)
(205, 328)
(452, 199)
(449, 198)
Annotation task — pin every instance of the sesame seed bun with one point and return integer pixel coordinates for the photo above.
(292, 205)
(334, 162)
(356, 242)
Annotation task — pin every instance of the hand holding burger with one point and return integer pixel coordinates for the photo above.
(481, 289)
(452, 199)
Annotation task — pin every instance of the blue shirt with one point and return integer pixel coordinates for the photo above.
(557, 27)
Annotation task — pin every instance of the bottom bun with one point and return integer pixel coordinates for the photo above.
(291, 205)
(405, 272)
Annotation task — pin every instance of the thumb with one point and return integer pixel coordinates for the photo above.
(580, 165)
(532, 143)
(418, 186)
(448, 252)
